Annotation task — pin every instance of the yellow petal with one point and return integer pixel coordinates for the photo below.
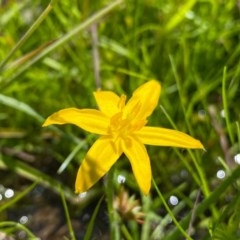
(167, 137)
(108, 102)
(144, 100)
(88, 119)
(99, 159)
(139, 159)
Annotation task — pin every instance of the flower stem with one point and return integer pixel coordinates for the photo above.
(125, 232)
(109, 189)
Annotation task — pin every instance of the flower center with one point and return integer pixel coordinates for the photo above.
(124, 123)
(122, 127)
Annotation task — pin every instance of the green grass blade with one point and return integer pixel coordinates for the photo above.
(70, 157)
(93, 19)
(179, 227)
(188, 166)
(180, 92)
(18, 226)
(28, 33)
(17, 198)
(35, 175)
(212, 199)
(23, 107)
(225, 105)
(20, 106)
(90, 227)
(69, 223)
(238, 134)
(179, 15)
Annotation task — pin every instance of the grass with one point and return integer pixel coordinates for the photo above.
(55, 54)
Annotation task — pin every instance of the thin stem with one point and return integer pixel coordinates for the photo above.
(95, 55)
(204, 183)
(201, 174)
(65, 38)
(69, 223)
(18, 226)
(193, 215)
(180, 92)
(28, 33)
(114, 223)
(70, 157)
(238, 133)
(33, 174)
(212, 199)
(18, 197)
(225, 105)
(170, 212)
(188, 166)
(91, 223)
(126, 233)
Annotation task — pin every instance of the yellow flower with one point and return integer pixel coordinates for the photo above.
(122, 129)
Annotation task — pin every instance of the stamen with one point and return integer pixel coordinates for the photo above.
(122, 101)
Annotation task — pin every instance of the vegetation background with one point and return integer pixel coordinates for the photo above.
(54, 54)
